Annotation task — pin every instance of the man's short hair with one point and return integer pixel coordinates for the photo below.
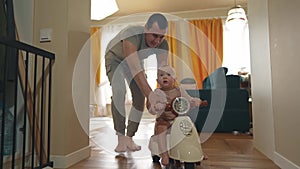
(159, 18)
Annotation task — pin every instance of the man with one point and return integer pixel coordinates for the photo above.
(124, 61)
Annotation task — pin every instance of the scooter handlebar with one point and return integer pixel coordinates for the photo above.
(181, 105)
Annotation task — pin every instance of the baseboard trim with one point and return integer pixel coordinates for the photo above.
(282, 162)
(71, 159)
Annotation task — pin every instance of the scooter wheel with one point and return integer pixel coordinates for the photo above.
(155, 159)
(189, 165)
(173, 164)
(198, 163)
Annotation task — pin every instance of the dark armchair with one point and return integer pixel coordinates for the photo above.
(228, 108)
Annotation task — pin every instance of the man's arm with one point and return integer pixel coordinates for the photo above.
(133, 61)
(162, 59)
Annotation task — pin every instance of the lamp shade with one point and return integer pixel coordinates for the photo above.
(236, 13)
(101, 9)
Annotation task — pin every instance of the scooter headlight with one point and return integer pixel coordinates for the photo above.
(180, 105)
(186, 127)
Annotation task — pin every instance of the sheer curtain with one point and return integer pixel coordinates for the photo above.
(103, 91)
(95, 39)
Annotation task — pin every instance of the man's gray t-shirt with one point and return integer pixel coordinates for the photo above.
(134, 34)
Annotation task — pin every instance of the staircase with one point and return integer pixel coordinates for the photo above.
(26, 107)
(25, 98)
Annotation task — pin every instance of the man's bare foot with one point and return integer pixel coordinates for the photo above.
(122, 144)
(131, 146)
(164, 159)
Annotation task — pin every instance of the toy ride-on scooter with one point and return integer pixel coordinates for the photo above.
(183, 141)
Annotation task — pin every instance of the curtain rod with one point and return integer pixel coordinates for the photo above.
(223, 16)
(206, 17)
(178, 13)
(140, 22)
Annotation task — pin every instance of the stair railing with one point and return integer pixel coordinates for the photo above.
(27, 143)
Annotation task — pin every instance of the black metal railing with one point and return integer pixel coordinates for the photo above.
(25, 105)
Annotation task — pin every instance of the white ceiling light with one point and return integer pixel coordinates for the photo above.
(236, 17)
(236, 13)
(101, 9)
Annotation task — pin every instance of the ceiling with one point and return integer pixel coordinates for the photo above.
(127, 7)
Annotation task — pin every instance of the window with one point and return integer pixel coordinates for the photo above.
(236, 56)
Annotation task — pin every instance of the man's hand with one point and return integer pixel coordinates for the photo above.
(160, 106)
(156, 102)
(157, 109)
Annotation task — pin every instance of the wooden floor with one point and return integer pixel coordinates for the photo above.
(224, 150)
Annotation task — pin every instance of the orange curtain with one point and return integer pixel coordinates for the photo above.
(96, 50)
(206, 47)
(171, 38)
(173, 52)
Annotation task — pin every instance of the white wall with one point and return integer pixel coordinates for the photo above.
(69, 20)
(261, 85)
(274, 35)
(23, 11)
(284, 49)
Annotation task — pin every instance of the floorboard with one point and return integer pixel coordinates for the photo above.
(224, 150)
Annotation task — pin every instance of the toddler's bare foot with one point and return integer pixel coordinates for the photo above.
(204, 103)
(164, 159)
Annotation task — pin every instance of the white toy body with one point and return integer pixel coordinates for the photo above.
(183, 141)
(183, 147)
